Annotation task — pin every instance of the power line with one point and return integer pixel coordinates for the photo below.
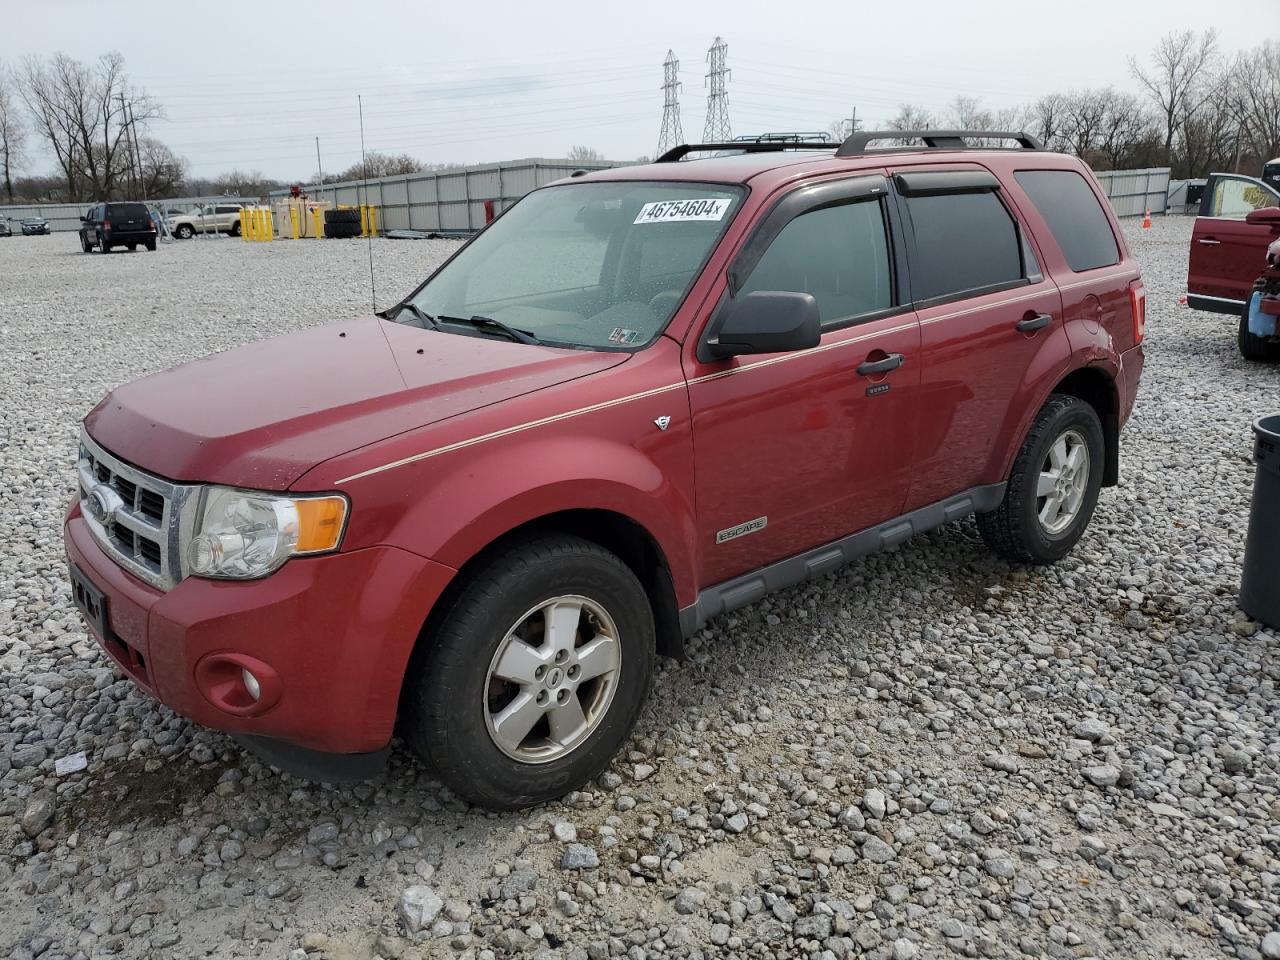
(671, 133)
(717, 128)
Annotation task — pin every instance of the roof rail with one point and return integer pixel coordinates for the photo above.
(743, 146)
(857, 145)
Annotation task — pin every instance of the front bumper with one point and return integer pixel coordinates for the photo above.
(332, 636)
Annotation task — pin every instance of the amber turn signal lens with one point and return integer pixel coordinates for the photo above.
(320, 521)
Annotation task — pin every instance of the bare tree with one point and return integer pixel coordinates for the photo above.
(581, 154)
(79, 110)
(1179, 63)
(968, 113)
(911, 117)
(376, 164)
(163, 171)
(12, 131)
(1253, 99)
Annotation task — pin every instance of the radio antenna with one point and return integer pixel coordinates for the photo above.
(364, 171)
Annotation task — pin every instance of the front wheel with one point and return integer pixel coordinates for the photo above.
(1053, 487)
(535, 674)
(184, 232)
(1255, 348)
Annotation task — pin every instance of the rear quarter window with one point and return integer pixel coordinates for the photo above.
(1074, 215)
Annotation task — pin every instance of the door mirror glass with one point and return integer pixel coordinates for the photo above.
(1264, 216)
(766, 321)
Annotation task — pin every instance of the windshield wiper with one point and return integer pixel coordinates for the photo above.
(427, 320)
(488, 323)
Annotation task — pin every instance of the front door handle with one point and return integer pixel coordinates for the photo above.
(1209, 242)
(869, 368)
(1035, 322)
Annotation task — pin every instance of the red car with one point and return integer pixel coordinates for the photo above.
(1239, 217)
(642, 397)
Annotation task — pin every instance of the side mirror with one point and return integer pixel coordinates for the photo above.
(1264, 217)
(766, 321)
(84, 218)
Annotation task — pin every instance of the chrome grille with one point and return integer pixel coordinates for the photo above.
(142, 524)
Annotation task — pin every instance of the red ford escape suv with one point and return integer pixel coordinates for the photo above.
(642, 397)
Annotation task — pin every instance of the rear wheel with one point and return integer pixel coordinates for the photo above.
(535, 675)
(1258, 349)
(103, 246)
(85, 245)
(132, 247)
(235, 229)
(1053, 487)
(184, 232)
(151, 246)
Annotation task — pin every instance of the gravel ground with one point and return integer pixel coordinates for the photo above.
(928, 753)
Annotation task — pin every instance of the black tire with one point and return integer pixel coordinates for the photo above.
(85, 245)
(449, 693)
(342, 216)
(1014, 529)
(103, 246)
(184, 231)
(151, 246)
(132, 247)
(235, 229)
(1256, 349)
(341, 230)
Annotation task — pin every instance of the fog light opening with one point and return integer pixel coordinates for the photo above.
(251, 685)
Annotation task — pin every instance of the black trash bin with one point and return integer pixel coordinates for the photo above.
(1260, 588)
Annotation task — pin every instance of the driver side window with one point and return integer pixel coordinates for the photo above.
(1234, 197)
(839, 254)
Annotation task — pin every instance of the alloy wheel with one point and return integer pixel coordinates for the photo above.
(1063, 483)
(552, 679)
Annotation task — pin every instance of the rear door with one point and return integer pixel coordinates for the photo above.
(988, 320)
(1227, 254)
(794, 450)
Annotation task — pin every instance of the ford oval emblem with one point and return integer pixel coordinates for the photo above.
(103, 503)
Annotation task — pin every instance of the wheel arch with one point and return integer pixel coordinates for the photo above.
(1098, 388)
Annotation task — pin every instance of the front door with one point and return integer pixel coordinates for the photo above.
(1227, 254)
(795, 450)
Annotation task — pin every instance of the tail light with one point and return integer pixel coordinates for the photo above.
(1138, 305)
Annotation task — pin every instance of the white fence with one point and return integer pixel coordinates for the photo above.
(1134, 192)
(66, 216)
(453, 201)
(446, 201)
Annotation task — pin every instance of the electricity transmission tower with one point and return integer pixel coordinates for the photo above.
(717, 129)
(670, 135)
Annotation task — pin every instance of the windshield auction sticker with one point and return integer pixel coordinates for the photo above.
(670, 211)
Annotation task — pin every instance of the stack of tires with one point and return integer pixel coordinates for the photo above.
(342, 223)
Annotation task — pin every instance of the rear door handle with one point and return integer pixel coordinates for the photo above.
(1037, 322)
(869, 368)
(1209, 242)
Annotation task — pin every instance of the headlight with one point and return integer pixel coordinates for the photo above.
(241, 535)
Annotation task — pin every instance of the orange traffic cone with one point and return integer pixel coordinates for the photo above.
(1146, 220)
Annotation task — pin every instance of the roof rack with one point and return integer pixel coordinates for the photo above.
(856, 145)
(744, 146)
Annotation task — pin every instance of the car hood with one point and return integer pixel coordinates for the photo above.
(263, 414)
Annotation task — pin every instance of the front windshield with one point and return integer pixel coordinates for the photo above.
(587, 264)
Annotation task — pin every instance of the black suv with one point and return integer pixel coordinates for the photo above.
(109, 225)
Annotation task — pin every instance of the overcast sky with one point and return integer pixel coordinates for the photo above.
(250, 85)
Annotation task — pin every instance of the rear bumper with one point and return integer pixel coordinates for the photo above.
(331, 637)
(1201, 301)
